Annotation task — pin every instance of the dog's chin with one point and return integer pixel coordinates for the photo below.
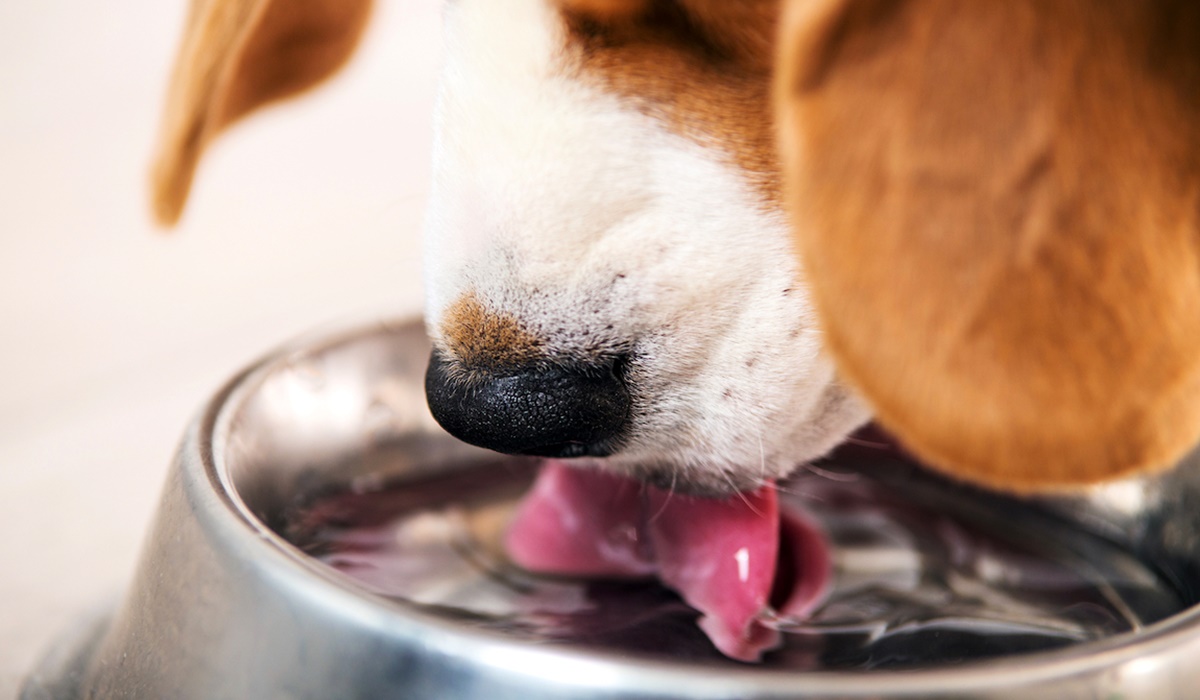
(707, 471)
(677, 479)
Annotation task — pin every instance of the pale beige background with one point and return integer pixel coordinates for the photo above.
(111, 335)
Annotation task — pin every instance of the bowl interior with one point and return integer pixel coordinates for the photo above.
(330, 446)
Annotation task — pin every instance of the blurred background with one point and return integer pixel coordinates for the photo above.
(112, 332)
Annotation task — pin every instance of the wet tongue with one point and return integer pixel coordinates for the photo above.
(721, 556)
(581, 523)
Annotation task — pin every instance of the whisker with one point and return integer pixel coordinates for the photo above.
(831, 475)
(762, 462)
(740, 495)
(670, 492)
(867, 443)
(807, 495)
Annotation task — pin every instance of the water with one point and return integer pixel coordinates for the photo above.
(922, 576)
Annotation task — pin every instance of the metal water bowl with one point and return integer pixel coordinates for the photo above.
(225, 606)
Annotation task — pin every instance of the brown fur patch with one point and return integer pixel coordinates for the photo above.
(478, 338)
(998, 206)
(607, 10)
(236, 56)
(700, 67)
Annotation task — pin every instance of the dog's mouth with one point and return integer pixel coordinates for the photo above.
(715, 535)
(742, 562)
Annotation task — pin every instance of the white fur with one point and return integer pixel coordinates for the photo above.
(601, 231)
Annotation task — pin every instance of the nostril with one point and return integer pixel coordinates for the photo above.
(549, 409)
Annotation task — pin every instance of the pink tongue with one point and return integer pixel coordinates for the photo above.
(721, 556)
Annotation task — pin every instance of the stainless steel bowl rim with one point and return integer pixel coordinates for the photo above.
(1132, 653)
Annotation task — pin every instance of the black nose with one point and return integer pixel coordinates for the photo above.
(552, 409)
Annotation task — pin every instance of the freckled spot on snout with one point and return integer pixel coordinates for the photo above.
(480, 338)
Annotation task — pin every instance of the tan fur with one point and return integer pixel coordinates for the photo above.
(235, 56)
(997, 205)
(607, 10)
(702, 68)
(478, 338)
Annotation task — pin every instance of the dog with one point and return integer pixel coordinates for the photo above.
(699, 242)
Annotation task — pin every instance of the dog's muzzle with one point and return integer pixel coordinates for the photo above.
(549, 409)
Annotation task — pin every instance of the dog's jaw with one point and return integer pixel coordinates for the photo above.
(599, 232)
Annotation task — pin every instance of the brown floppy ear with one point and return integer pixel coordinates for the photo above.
(997, 205)
(607, 10)
(237, 55)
